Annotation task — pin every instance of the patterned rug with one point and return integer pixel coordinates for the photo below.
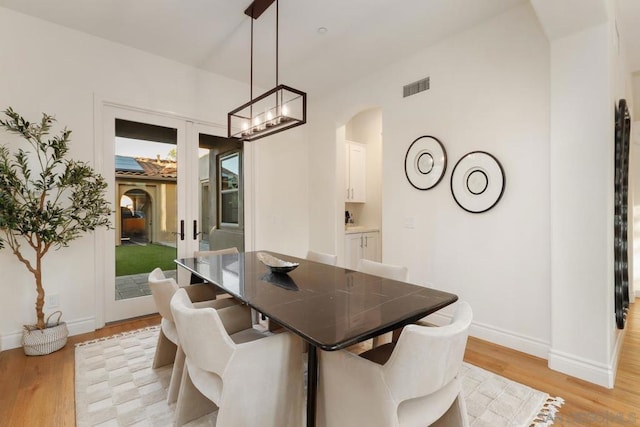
(115, 386)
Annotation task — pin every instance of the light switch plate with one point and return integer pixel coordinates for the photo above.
(52, 301)
(410, 222)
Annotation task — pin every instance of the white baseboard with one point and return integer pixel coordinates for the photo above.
(76, 327)
(615, 357)
(501, 337)
(588, 370)
(523, 343)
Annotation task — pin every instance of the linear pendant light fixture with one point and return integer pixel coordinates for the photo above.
(278, 109)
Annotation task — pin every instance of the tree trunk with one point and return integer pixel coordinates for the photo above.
(40, 290)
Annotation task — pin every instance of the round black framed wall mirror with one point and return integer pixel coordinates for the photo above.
(477, 182)
(425, 162)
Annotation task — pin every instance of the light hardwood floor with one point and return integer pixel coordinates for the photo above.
(39, 391)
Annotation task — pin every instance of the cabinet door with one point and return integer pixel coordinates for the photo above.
(352, 250)
(371, 246)
(347, 172)
(357, 173)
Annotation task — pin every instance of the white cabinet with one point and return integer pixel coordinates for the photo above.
(361, 246)
(356, 158)
(352, 250)
(370, 250)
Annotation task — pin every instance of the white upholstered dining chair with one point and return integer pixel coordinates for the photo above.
(252, 379)
(168, 348)
(388, 271)
(322, 257)
(411, 383)
(233, 250)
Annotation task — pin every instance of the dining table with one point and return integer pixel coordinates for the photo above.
(329, 307)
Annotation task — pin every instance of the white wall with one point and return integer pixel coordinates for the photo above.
(489, 91)
(582, 199)
(281, 192)
(49, 68)
(589, 74)
(635, 115)
(538, 267)
(624, 85)
(634, 166)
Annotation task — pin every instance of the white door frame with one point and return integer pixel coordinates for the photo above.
(104, 159)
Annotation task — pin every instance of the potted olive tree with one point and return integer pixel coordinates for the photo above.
(46, 201)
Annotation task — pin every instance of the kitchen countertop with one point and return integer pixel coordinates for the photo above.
(351, 229)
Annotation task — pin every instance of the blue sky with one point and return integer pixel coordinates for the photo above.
(140, 148)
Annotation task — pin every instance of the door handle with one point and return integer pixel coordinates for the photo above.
(195, 230)
(352, 193)
(366, 241)
(181, 233)
(361, 241)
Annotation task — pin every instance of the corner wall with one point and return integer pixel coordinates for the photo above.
(50, 68)
(489, 91)
(582, 204)
(589, 75)
(53, 69)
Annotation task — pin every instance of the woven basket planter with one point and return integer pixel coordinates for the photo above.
(53, 337)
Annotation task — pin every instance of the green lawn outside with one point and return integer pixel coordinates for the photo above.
(134, 259)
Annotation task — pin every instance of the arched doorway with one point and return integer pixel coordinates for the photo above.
(135, 217)
(359, 154)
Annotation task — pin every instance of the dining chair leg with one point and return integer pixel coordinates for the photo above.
(456, 415)
(191, 403)
(382, 339)
(396, 334)
(165, 351)
(176, 376)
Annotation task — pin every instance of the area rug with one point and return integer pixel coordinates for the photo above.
(116, 386)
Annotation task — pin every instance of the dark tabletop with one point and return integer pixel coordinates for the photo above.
(330, 307)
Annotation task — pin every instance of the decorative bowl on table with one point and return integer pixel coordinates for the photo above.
(276, 265)
(280, 280)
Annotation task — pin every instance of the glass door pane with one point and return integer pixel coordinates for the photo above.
(221, 192)
(229, 173)
(164, 174)
(146, 163)
(146, 173)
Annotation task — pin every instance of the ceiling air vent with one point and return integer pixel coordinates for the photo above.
(415, 87)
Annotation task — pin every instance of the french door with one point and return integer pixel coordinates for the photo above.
(151, 163)
(221, 189)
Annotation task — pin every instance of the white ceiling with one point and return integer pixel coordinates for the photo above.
(629, 28)
(215, 34)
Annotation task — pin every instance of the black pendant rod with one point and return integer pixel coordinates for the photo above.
(277, 40)
(251, 80)
(278, 111)
(257, 8)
